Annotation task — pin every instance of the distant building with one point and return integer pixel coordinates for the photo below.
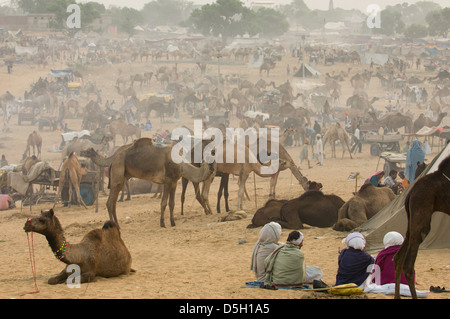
(30, 22)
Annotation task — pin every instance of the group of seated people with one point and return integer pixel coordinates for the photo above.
(390, 181)
(276, 264)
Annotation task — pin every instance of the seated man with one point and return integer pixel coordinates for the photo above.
(392, 183)
(5, 201)
(286, 265)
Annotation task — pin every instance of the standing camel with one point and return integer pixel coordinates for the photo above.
(428, 194)
(71, 172)
(34, 140)
(145, 161)
(333, 134)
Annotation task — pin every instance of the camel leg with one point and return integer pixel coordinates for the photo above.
(225, 192)
(273, 184)
(164, 203)
(80, 200)
(204, 198)
(242, 179)
(112, 199)
(172, 203)
(184, 183)
(59, 278)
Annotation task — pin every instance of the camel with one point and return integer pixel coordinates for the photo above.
(129, 131)
(422, 121)
(368, 201)
(28, 163)
(71, 172)
(394, 121)
(427, 195)
(333, 134)
(132, 161)
(101, 252)
(126, 93)
(269, 212)
(266, 66)
(79, 145)
(34, 140)
(312, 207)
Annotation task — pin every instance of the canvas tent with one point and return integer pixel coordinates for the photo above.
(378, 58)
(393, 218)
(310, 71)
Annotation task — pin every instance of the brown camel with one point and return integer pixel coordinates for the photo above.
(269, 212)
(312, 207)
(101, 252)
(71, 173)
(129, 131)
(368, 201)
(266, 66)
(394, 121)
(28, 163)
(34, 140)
(336, 133)
(133, 161)
(427, 195)
(422, 121)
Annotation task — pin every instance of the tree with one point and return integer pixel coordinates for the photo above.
(166, 12)
(416, 31)
(228, 18)
(391, 22)
(439, 22)
(126, 19)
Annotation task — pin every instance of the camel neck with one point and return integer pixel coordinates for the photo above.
(58, 245)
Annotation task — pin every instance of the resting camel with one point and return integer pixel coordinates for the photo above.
(334, 133)
(427, 195)
(368, 201)
(312, 207)
(34, 140)
(28, 163)
(71, 172)
(144, 160)
(101, 252)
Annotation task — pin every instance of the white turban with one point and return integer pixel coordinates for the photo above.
(356, 241)
(297, 241)
(392, 238)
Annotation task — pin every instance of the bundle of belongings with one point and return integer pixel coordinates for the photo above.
(20, 182)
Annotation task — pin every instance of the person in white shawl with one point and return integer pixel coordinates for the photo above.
(267, 243)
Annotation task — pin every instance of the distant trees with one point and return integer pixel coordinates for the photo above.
(228, 18)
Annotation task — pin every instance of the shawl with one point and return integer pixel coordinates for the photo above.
(415, 154)
(285, 266)
(353, 265)
(267, 243)
(387, 269)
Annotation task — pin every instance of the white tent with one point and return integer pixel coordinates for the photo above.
(393, 218)
(378, 58)
(307, 70)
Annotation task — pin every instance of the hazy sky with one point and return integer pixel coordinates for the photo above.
(312, 4)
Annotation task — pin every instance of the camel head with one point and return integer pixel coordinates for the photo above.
(89, 153)
(46, 224)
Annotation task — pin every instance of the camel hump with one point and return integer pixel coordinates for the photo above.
(109, 224)
(142, 142)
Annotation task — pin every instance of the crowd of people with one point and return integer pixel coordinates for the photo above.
(278, 264)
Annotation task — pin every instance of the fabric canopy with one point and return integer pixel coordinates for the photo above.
(393, 218)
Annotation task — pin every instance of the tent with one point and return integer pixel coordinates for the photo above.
(310, 71)
(393, 218)
(378, 58)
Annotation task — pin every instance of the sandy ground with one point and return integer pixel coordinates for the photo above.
(200, 257)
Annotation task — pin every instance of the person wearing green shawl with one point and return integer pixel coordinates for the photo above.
(286, 265)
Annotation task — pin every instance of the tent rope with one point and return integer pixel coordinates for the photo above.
(32, 261)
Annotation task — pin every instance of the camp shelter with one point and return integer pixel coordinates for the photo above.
(309, 71)
(377, 58)
(393, 218)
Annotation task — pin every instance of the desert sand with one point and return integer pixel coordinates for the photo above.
(199, 258)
